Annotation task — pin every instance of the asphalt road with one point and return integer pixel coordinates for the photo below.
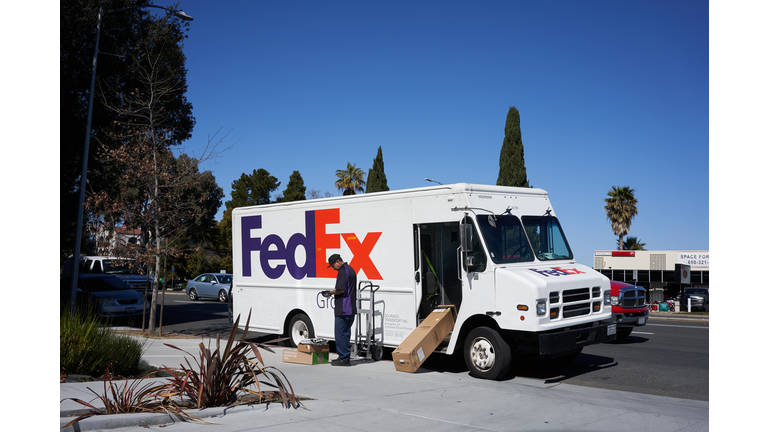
(665, 357)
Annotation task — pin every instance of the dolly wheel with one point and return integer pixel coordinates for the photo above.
(377, 352)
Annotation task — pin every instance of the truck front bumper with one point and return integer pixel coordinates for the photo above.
(631, 319)
(571, 340)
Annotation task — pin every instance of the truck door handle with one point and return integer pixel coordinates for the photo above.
(418, 277)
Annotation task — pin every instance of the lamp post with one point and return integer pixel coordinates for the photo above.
(433, 181)
(81, 199)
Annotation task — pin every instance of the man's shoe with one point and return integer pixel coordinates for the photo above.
(338, 362)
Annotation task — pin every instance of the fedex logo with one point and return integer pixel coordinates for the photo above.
(276, 255)
(558, 271)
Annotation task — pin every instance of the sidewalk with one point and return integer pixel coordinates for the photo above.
(682, 316)
(373, 396)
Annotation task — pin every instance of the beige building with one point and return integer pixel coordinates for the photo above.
(654, 270)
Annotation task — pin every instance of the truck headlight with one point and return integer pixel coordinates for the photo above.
(541, 307)
(614, 300)
(607, 298)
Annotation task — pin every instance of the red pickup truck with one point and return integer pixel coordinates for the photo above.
(629, 307)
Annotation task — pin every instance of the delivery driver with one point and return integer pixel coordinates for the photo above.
(344, 305)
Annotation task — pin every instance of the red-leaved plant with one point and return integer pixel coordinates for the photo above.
(221, 378)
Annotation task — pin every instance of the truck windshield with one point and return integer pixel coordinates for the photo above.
(506, 242)
(122, 267)
(696, 291)
(547, 238)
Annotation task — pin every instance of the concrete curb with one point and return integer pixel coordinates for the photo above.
(676, 316)
(114, 421)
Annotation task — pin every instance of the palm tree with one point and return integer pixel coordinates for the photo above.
(350, 180)
(621, 208)
(633, 243)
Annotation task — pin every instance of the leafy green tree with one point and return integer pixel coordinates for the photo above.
(202, 188)
(511, 161)
(620, 209)
(350, 180)
(133, 37)
(632, 243)
(377, 180)
(253, 189)
(196, 263)
(224, 234)
(295, 191)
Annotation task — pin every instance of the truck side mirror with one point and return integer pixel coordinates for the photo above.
(465, 232)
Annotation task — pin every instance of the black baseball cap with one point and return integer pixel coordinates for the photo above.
(332, 259)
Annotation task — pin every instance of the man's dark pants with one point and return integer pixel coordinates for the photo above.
(342, 333)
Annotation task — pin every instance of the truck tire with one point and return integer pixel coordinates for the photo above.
(622, 333)
(299, 328)
(486, 354)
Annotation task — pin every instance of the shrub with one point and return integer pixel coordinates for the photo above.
(223, 376)
(87, 347)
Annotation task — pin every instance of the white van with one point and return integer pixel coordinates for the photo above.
(499, 254)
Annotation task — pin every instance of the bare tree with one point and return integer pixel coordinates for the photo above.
(155, 191)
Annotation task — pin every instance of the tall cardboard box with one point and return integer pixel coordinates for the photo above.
(307, 354)
(415, 349)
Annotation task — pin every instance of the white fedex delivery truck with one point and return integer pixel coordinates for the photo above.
(498, 254)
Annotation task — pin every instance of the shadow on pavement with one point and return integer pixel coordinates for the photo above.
(524, 365)
(630, 340)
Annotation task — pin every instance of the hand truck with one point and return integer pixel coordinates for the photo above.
(365, 337)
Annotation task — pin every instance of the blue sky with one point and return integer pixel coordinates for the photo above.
(609, 93)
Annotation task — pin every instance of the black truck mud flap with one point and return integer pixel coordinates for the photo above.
(569, 340)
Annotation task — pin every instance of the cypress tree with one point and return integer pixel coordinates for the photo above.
(295, 191)
(511, 162)
(377, 180)
(253, 189)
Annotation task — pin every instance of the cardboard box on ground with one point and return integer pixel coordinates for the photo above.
(415, 349)
(307, 354)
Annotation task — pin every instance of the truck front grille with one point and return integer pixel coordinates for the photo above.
(575, 302)
(574, 295)
(571, 311)
(632, 297)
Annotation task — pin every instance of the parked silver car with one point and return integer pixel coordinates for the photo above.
(210, 285)
(110, 296)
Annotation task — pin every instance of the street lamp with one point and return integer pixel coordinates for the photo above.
(433, 181)
(81, 200)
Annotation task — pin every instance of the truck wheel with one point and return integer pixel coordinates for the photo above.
(193, 295)
(486, 354)
(222, 296)
(300, 328)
